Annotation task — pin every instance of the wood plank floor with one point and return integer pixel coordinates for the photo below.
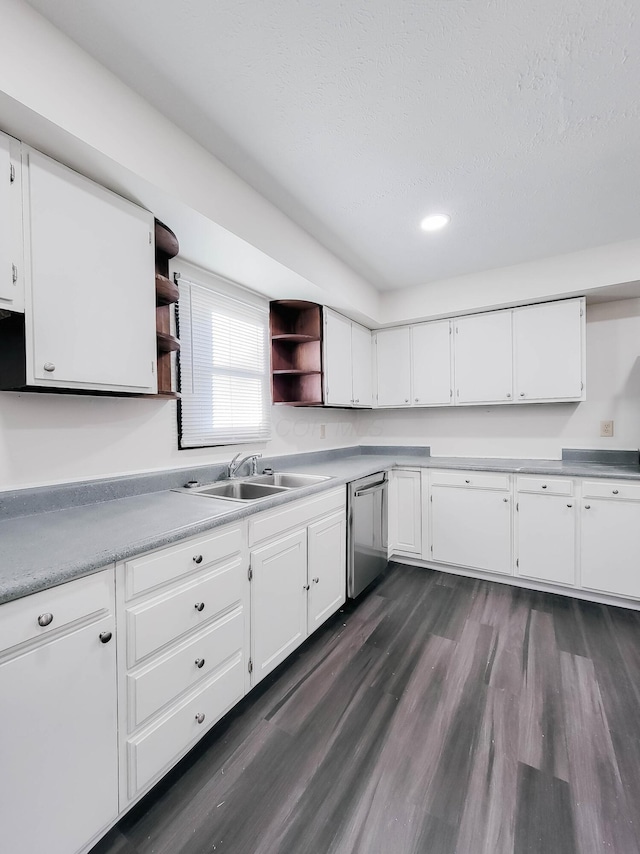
(440, 715)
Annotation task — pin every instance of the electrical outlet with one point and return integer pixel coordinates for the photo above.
(323, 431)
(606, 428)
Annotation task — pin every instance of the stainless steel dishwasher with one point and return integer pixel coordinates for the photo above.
(367, 531)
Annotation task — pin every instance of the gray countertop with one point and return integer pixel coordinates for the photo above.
(44, 549)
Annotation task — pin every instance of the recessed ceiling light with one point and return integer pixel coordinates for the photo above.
(435, 222)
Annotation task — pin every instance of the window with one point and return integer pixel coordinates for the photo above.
(223, 365)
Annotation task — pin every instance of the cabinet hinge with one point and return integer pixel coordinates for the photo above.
(581, 312)
(431, 498)
(431, 549)
(517, 561)
(250, 665)
(581, 386)
(14, 273)
(150, 238)
(517, 506)
(153, 367)
(12, 173)
(450, 393)
(250, 574)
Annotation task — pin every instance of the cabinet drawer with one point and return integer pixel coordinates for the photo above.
(295, 515)
(152, 624)
(159, 567)
(611, 489)
(154, 749)
(551, 486)
(154, 686)
(64, 604)
(473, 479)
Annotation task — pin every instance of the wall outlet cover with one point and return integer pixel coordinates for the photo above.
(606, 428)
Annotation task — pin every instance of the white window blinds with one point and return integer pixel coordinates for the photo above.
(224, 366)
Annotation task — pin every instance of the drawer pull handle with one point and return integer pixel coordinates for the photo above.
(306, 586)
(105, 637)
(199, 663)
(467, 481)
(197, 558)
(587, 507)
(199, 606)
(200, 718)
(49, 367)
(316, 581)
(615, 491)
(569, 505)
(544, 486)
(45, 620)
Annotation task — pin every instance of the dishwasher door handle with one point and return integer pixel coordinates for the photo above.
(376, 487)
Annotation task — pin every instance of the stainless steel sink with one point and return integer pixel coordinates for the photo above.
(237, 490)
(290, 481)
(254, 488)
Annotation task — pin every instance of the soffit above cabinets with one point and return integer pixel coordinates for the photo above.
(357, 119)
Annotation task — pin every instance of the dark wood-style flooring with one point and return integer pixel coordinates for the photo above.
(440, 715)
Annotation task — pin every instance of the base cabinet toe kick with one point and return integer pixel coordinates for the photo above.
(571, 535)
(109, 680)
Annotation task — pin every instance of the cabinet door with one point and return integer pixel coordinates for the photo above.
(610, 545)
(548, 348)
(278, 601)
(546, 532)
(406, 514)
(11, 250)
(483, 358)
(471, 527)
(393, 366)
(327, 551)
(361, 362)
(431, 364)
(90, 258)
(58, 743)
(337, 360)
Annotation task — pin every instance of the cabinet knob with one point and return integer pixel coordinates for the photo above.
(199, 606)
(306, 586)
(316, 580)
(506, 500)
(615, 491)
(416, 400)
(49, 367)
(467, 481)
(200, 718)
(45, 620)
(105, 637)
(521, 394)
(199, 663)
(587, 507)
(197, 558)
(508, 394)
(544, 486)
(569, 505)
(357, 400)
(406, 400)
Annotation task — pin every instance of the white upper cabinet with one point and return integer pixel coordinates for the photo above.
(548, 351)
(347, 361)
(90, 293)
(361, 365)
(11, 248)
(431, 364)
(483, 358)
(393, 366)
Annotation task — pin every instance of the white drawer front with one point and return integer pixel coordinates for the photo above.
(160, 567)
(611, 489)
(154, 749)
(20, 620)
(154, 686)
(545, 485)
(155, 623)
(477, 479)
(263, 526)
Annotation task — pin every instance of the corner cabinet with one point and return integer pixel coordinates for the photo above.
(296, 352)
(58, 722)
(90, 284)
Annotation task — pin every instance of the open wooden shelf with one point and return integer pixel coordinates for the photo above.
(296, 352)
(167, 293)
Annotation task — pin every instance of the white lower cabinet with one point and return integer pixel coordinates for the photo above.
(298, 575)
(183, 642)
(471, 521)
(58, 722)
(546, 537)
(610, 538)
(406, 512)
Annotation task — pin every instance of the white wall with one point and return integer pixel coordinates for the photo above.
(46, 438)
(542, 430)
(573, 274)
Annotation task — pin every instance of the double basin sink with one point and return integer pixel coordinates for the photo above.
(254, 488)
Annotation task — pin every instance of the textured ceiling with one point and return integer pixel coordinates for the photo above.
(357, 117)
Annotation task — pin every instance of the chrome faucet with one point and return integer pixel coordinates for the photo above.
(234, 465)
